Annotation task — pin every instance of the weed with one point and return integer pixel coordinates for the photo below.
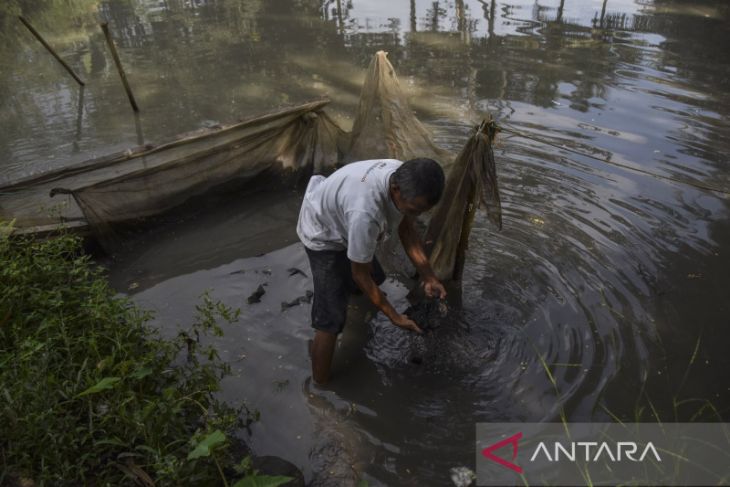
(91, 395)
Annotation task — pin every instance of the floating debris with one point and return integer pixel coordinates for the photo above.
(256, 296)
(307, 298)
(462, 476)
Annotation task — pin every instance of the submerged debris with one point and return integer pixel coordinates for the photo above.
(256, 296)
(417, 360)
(307, 298)
(280, 385)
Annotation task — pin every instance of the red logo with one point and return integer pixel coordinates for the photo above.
(487, 452)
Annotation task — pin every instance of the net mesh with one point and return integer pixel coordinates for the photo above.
(387, 127)
(302, 141)
(132, 186)
(472, 180)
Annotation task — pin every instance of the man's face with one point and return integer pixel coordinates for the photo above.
(410, 207)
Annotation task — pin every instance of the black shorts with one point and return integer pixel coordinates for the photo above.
(333, 284)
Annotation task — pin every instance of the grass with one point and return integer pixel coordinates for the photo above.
(645, 411)
(91, 395)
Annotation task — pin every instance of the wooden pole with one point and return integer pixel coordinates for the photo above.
(105, 28)
(79, 119)
(413, 16)
(138, 128)
(603, 12)
(50, 49)
(560, 11)
(339, 17)
(466, 225)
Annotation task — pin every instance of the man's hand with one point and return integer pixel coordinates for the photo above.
(362, 277)
(405, 322)
(414, 249)
(433, 288)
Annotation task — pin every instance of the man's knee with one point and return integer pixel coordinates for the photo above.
(330, 319)
(329, 307)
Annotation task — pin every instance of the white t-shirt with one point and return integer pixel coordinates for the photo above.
(351, 209)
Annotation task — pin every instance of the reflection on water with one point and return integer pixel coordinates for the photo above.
(605, 290)
(192, 62)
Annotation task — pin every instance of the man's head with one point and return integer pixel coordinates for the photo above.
(416, 186)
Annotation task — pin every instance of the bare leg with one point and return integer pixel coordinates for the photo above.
(323, 348)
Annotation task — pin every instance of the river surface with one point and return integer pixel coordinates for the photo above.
(605, 296)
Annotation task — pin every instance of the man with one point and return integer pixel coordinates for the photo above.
(342, 219)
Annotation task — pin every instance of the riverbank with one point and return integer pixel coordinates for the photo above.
(93, 395)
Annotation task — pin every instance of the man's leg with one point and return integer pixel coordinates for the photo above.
(329, 307)
(323, 349)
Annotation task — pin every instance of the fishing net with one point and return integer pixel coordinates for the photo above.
(386, 127)
(472, 180)
(127, 189)
(294, 141)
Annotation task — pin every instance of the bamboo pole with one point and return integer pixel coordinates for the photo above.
(413, 16)
(339, 17)
(603, 12)
(183, 139)
(79, 119)
(138, 129)
(122, 74)
(50, 49)
(466, 225)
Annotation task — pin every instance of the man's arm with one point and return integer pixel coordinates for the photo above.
(414, 249)
(361, 276)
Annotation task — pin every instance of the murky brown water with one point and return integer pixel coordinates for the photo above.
(615, 281)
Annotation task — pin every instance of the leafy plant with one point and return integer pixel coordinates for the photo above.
(92, 395)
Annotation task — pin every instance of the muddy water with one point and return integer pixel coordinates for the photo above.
(604, 297)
